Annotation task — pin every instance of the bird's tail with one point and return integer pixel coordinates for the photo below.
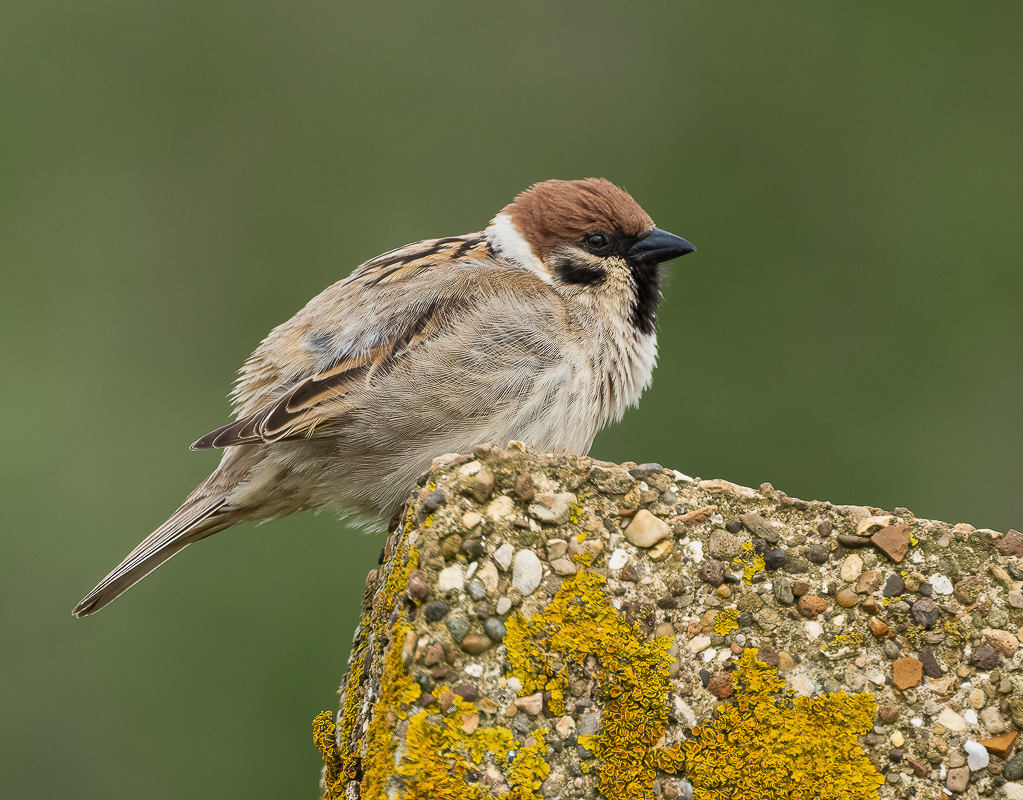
(198, 518)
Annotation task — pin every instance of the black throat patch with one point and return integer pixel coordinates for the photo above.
(646, 282)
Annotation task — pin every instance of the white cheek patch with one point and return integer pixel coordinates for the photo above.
(509, 243)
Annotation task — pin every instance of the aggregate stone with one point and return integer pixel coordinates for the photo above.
(984, 657)
(503, 556)
(906, 673)
(893, 586)
(472, 549)
(926, 612)
(552, 508)
(476, 590)
(760, 527)
(774, 559)
(646, 530)
(589, 724)
(811, 605)
(931, 667)
(436, 611)
(1014, 767)
(958, 779)
(528, 572)
(817, 553)
(852, 542)
(712, 572)
(458, 626)
(891, 650)
(1011, 544)
(724, 545)
(504, 605)
(495, 629)
(783, 591)
(475, 643)
(847, 598)
(435, 500)
(451, 579)
(851, 568)
(868, 582)
(893, 541)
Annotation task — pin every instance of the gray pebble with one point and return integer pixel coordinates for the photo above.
(495, 629)
(476, 590)
(435, 500)
(783, 591)
(458, 626)
(436, 611)
(588, 725)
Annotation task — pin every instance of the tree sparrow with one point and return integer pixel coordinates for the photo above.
(539, 329)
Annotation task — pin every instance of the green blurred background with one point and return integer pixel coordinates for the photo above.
(177, 178)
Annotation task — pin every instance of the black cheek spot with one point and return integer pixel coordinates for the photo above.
(578, 272)
(646, 282)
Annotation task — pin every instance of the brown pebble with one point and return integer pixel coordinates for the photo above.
(440, 673)
(532, 704)
(417, 585)
(893, 541)
(824, 528)
(847, 598)
(661, 550)
(510, 710)
(810, 605)
(476, 643)
(870, 606)
(799, 588)
(721, 686)
(467, 692)
(768, 655)
(919, 769)
(450, 546)
(868, 582)
(958, 779)
(472, 549)
(484, 485)
(888, 714)
(985, 658)
(447, 699)
(1011, 544)
(434, 655)
(470, 722)
(629, 573)
(786, 663)
(524, 487)
(877, 627)
(906, 673)
(427, 699)
(693, 517)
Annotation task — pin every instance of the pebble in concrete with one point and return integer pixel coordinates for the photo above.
(528, 572)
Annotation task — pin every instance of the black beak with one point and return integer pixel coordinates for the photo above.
(659, 246)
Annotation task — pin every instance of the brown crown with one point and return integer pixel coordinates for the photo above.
(553, 212)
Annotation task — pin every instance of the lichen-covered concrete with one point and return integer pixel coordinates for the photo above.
(557, 627)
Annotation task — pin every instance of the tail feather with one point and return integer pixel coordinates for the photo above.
(196, 519)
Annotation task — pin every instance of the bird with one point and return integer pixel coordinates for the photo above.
(538, 329)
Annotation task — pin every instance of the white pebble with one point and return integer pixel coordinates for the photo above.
(851, 568)
(515, 684)
(503, 556)
(503, 606)
(619, 558)
(475, 670)
(977, 755)
(970, 716)
(951, 720)
(917, 722)
(695, 551)
(1013, 791)
(940, 583)
(708, 655)
(451, 579)
(813, 630)
(699, 643)
(897, 739)
(528, 572)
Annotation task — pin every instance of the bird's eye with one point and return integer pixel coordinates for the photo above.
(596, 242)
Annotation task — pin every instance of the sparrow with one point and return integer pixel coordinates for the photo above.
(538, 329)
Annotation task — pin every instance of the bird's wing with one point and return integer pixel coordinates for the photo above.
(353, 331)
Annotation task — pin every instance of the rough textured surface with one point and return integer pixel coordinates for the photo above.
(685, 667)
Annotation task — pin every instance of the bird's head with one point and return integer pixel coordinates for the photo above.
(589, 239)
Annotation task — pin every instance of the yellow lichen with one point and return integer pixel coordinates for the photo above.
(632, 681)
(323, 738)
(768, 744)
(726, 622)
(755, 566)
